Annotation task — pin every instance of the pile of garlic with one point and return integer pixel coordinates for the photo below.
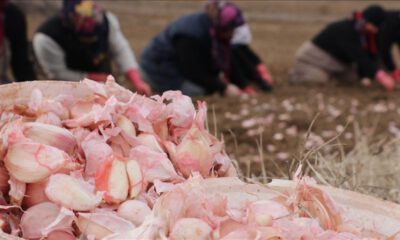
(69, 161)
(117, 165)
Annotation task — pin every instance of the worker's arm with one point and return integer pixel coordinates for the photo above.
(120, 49)
(52, 59)
(123, 55)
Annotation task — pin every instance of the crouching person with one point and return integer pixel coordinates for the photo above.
(82, 41)
(246, 65)
(192, 52)
(345, 50)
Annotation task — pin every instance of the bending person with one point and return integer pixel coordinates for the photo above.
(345, 50)
(192, 53)
(82, 41)
(246, 65)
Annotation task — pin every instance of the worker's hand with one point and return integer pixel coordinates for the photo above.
(385, 80)
(265, 74)
(232, 90)
(98, 77)
(137, 82)
(249, 90)
(396, 75)
(366, 82)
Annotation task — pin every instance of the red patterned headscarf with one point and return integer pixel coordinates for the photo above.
(86, 16)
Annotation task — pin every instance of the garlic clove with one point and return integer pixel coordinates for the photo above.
(126, 125)
(135, 177)
(51, 135)
(17, 191)
(31, 162)
(134, 211)
(112, 178)
(194, 154)
(191, 228)
(72, 193)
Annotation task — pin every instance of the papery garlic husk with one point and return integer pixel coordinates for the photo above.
(191, 228)
(43, 217)
(152, 228)
(89, 228)
(134, 211)
(154, 165)
(17, 191)
(135, 177)
(112, 178)
(120, 146)
(31, 162)
(161, 129)
(150, 141)
(72, 193)
(50, 135)
(80, 108)
(102, 223)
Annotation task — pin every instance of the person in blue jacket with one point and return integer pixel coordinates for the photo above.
(192, 54)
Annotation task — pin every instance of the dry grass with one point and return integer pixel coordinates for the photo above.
(371, 167)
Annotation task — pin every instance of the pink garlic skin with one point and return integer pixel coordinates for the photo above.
(35, 194)
(39, 217)
(154, 165)
(102, 223)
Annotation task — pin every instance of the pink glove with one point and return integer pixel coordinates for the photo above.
(396, 75)
(385, 80)
(98, 77)
(249, 90)
(140, 86)
(264, 74)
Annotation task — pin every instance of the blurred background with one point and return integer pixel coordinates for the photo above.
(278, 27)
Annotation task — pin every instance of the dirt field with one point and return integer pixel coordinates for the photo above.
(277, 122)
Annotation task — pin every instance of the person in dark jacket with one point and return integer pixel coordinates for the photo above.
(246, 65)
(14, 44)
(345, 50)
(389, 35)
(192, 52)
(82, 40)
